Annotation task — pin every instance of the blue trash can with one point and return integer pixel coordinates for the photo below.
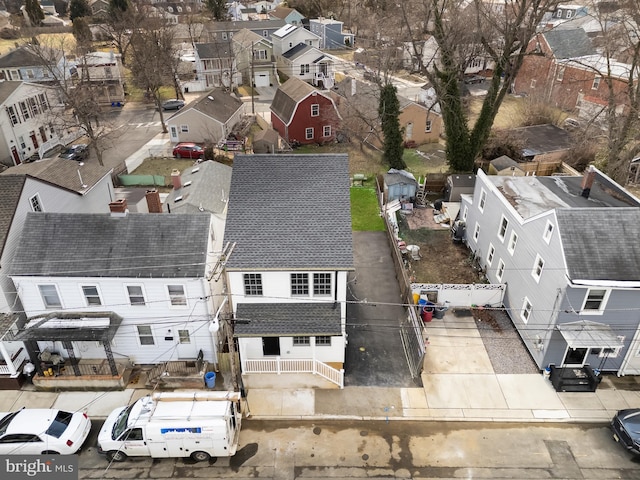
(210, 379)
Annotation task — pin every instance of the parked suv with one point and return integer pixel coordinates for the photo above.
(77, 152)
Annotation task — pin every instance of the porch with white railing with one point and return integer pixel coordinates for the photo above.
(279, 366)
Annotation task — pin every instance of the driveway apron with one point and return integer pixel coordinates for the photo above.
(375, 356)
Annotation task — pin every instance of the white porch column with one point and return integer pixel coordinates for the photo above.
(7, 360)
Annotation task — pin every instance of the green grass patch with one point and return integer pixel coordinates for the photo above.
(162, 166)
(365, 214)
(415, 163)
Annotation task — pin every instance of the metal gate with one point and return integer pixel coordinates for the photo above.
(413, 342)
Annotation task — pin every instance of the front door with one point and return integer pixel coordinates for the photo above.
(185, 347)
(15, 155)
(575, 357)
(34, 139)
(174, 134)
(270, 346)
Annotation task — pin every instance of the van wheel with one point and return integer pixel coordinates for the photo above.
(116, 456)
(200, 456)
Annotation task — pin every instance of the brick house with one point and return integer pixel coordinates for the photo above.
(301, 113)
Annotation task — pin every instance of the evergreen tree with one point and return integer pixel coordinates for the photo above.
(82, 34)
(389, 110)
(34, 11)
(79, 8)
(118, 5)
(218, 9)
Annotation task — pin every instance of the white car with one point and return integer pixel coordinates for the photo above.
(40, 431)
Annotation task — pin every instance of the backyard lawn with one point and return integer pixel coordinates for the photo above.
(364, 210)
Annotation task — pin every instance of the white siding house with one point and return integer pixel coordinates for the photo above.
(289, 223)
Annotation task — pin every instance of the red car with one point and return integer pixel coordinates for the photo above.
(188, 150)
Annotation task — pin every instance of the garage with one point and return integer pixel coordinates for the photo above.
(261, 80)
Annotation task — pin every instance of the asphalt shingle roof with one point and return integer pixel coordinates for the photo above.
(11, 188)
(137, 245)
(601, 243)
(209, 189)
(7, 88)
(221, 108)
(290, 212)
(221, 49)
(569, 43)
(287, 97)
(290, 319)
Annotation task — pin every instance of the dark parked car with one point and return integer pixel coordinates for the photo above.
(173, 104)
(75, 152)
(626, 429)
(188, 150)
(473, 79)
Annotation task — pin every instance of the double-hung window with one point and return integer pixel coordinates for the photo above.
(136, 295)
(177, 296)
(91, 295)
(502, 231)
(525, 313)
(537, 268)
(595, 301)
(145, 335)
(321, 284)
(50, 297)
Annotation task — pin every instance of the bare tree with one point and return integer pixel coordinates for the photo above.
(76, 89)
(153, 62)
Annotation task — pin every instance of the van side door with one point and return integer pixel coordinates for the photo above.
(133, 443)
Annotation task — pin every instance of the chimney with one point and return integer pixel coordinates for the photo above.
(154, 205)
(118, 208)
(175, 179)
(587, 181)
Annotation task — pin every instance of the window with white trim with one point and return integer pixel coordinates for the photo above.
(177, 296)
(136, 295)
(533, 83)
(596, 82)
(490, 254)
(513, 241)
(595, 300)
(299, 284)
(184, 128)
(538, 265)
(560, 74)
(500, 271)
(50, 297)
(301, 341)
(321, 284)
(34, 201)
(502, 231)
(184, 337)
(428, 126)
(548, 231)
(476, 232)
(525, 313)
(464, 213)
(145, 335)
(253, 284)
(308, 133)
(483, 200)
(326, 131)
(91, 295)
(315, 110)
(323, 341)
(606, 352)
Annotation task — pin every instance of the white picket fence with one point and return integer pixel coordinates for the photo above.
(279, 366)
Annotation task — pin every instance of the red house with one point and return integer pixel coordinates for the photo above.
(300, 113)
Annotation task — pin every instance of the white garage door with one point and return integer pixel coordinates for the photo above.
(261, 79)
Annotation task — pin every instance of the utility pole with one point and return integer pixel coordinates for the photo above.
(253, 110)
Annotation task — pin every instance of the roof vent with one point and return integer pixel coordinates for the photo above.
(177, 199)
(210, 98)
(186, 184)
(197, 169)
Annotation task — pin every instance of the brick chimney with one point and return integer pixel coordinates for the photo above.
(118, 208)
(154, 205)
(175, 179)
(587, 181)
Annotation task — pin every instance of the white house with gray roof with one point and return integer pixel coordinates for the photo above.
(566, 247)
(209, 119)
(147, 276)
(289, 221)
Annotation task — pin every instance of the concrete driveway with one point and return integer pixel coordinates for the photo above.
(375, 356)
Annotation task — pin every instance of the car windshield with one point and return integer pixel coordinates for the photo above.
(6, 420)
(120, 424)
(59, 424)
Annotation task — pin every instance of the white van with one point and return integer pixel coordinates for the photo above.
(199, 425)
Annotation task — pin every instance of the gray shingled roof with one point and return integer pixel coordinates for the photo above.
(569, 43)
(298, 50)
(209, 189)
(221, 108)
(234, 26)
(601, 244)
(291, 319)
(539, 139)
(221, 49)
(62, 173)
(287, 97)
(22, 57)
(290, 212)
(138, 245)
(11, 188)
(7, 88)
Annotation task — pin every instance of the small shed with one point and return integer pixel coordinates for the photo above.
(400, 185)
(505, 166)
(266, 141)
(458, 185)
